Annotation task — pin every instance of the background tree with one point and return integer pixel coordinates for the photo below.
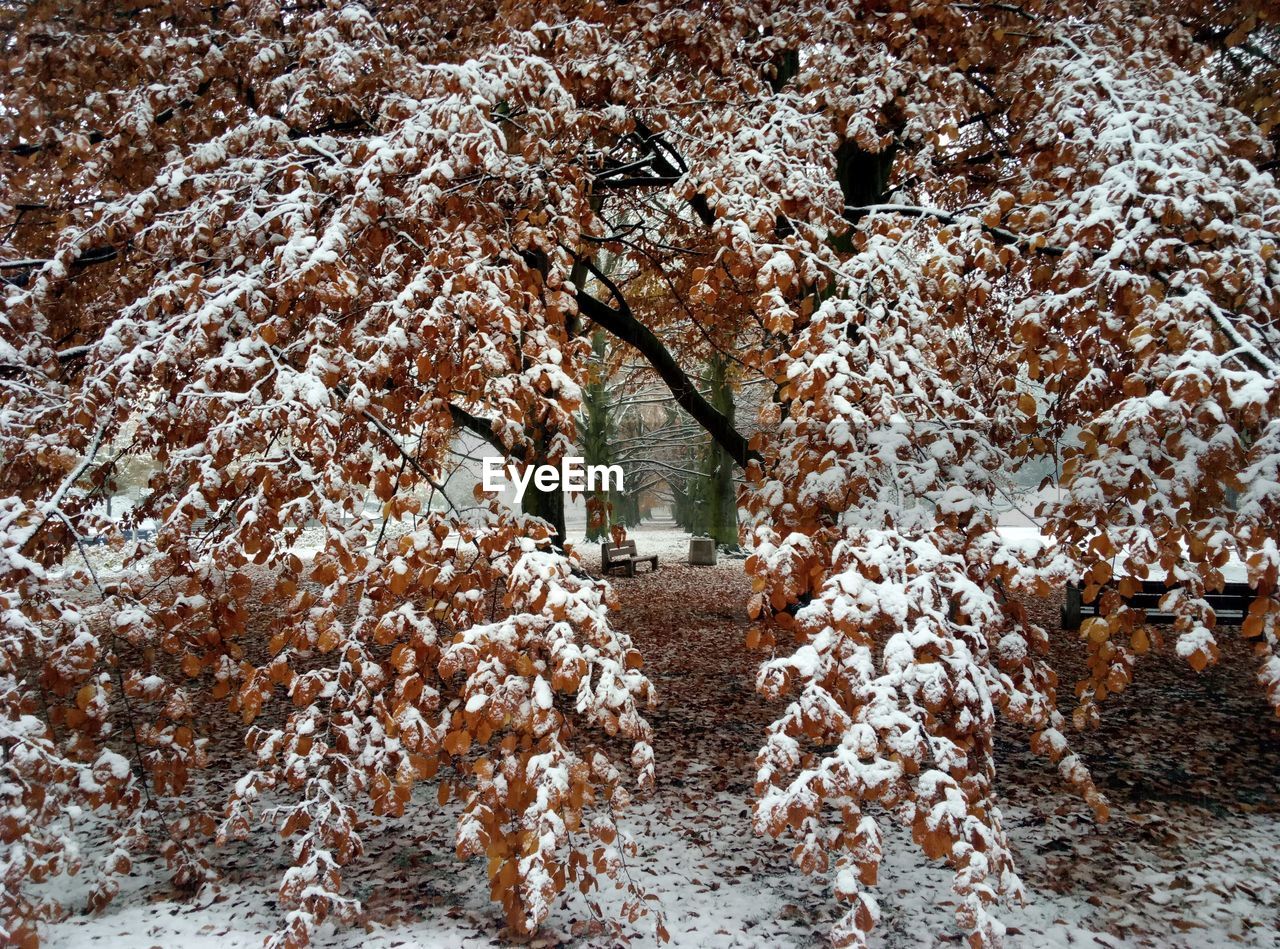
(701, 475)
(720, 491)
(598, 430)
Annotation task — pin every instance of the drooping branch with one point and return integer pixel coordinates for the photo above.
(166, 115)
(407, 458)
(97, 137)
(1222, 317)
(51, 508)
(1000, 235)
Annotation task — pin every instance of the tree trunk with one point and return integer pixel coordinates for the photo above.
(626, 509)
(680, 504)
(722, 501)
(864, 180)
(548, 505)
(597, 434)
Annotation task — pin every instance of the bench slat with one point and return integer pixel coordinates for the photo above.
(1225, 603)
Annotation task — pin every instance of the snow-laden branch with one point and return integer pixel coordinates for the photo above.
(51, 507)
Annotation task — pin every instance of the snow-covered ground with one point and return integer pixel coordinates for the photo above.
(1191, 857)
(718, 885)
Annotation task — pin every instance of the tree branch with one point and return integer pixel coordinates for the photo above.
(484, 428)
(1221, 317)
(999, 234)
(94, 255)
(163, 117)
(621, 323)
(657, 150)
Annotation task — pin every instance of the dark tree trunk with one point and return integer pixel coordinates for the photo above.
(548, 505)
(596, 431)
(864, 180)
(722, 500)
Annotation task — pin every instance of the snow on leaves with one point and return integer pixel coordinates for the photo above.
(283, 250)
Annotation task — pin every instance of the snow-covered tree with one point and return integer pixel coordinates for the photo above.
(291, 248)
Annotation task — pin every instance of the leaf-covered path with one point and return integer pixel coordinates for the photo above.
(1191, 857)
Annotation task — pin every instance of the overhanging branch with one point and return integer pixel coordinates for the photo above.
(622, 324)
(484, 428)
(1222, 317)
(97, 137)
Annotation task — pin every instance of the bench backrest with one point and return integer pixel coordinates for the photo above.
(618, 551)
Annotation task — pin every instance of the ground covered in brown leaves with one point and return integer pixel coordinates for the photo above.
(1190, 858)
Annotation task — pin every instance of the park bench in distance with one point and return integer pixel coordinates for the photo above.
(1231, 603)
(624, 557)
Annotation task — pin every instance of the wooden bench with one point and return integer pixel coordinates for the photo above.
(1231, 603)
(624, 557)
